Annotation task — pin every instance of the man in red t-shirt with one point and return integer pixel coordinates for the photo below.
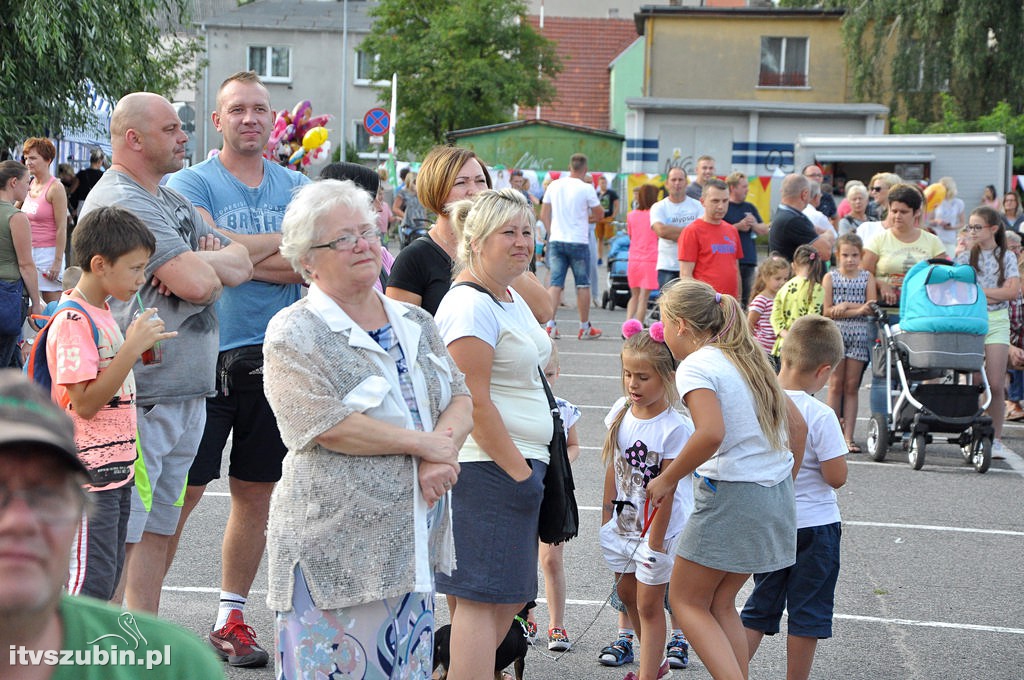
(709, 249)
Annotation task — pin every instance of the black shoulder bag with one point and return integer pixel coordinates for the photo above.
(559, 514)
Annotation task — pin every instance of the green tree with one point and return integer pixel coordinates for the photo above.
(970, 49)
(52, 50)
(460, 64)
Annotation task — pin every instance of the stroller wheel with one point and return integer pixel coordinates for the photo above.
(915, 453)
(878, 437)
(982, 457)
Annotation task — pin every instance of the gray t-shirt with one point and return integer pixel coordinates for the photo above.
(189, 360)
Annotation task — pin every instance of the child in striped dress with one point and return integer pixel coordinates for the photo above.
(772, 274)
(849, 290)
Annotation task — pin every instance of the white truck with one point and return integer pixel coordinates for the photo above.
(973, 160)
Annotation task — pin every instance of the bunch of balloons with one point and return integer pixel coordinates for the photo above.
(934, 194)
(300, 137)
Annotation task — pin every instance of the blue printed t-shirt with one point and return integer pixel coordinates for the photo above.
(244, 310)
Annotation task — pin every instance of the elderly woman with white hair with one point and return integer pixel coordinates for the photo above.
(373, 412)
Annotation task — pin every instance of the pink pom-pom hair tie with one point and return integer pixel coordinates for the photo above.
(631, 328)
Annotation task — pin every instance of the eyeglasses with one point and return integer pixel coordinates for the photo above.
(876, 189)
(347, 242)
(976, 227)
(49, 505)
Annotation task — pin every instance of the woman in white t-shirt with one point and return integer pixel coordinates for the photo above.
(494, 338)
(744, 518)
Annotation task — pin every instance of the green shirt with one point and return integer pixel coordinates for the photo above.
(145, 647)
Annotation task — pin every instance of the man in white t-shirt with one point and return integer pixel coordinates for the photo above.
(821, 223)
(570, 205)
(668, 218)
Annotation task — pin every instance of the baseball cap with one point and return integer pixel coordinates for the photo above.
(28, 416)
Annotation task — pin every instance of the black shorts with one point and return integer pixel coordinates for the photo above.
(256, 447)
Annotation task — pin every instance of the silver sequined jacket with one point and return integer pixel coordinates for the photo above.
(348, 520)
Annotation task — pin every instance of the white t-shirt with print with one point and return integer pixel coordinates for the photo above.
(643, 449)
(673, 215)
(744, 454)
(816, 503)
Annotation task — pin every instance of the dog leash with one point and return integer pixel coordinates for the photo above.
(648, 519)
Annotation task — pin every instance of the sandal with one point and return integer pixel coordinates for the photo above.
(1015, 413)
(618, 653)
(852, 446)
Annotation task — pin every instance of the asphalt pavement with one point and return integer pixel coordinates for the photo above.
(932, 560)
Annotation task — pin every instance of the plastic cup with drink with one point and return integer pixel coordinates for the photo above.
(155, 354)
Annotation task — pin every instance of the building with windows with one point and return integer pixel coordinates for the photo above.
(739, 84)
(302, 49)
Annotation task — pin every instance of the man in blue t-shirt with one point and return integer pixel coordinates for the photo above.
(245, 196)
(747, 220)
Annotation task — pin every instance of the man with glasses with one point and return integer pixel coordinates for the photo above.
(790, 228)
(41, 502)
(827, 205)
(190, 267)
(244, 195)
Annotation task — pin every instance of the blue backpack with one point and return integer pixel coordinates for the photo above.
(37, 368)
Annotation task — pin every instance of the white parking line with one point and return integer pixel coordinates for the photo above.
(598, 603)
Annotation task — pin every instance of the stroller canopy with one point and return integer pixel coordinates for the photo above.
(943, 298)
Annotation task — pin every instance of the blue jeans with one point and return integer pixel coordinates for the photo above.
(562, 256)
(1015, 391)
(666, 275)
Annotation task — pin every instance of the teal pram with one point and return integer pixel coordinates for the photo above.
(935, 351)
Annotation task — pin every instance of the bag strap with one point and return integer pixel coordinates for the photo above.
(482, 289)
(71, 304)
(547, 390)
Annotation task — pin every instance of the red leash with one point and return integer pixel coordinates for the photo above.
(648, 518)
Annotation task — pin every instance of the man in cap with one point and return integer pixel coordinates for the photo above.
(41, 502)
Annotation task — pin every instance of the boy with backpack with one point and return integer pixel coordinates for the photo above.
(89, 365)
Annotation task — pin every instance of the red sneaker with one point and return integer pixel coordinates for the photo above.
(590, 334)
(236, 643)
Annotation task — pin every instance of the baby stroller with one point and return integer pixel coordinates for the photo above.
(941, 335)
(617, 292)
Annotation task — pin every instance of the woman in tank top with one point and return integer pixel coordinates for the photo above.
(47, 209)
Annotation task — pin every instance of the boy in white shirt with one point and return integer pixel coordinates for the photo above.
(807, 589)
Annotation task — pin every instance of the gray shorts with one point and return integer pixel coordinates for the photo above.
(169, 436)
(741, 527)
(494, 519)
(97, 553)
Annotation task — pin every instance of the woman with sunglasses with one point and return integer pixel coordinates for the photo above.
(373, 412)
(878, 192)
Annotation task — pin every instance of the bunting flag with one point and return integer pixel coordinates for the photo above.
(554, 174)
(765, 181)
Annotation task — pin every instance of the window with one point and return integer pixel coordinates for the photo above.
(362, 137)
(365, 63)
(783, 62)
(273, 64)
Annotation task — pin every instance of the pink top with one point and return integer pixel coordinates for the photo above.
(106, 442)
(40, 216)
(643, 242)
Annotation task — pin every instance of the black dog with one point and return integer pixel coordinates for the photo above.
(511, 651)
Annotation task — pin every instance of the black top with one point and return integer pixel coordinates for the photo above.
(736, 213)
(608, 199)
(789, 230)
(87, 179)
(423, 268)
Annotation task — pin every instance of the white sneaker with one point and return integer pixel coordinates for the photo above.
(999, 450)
